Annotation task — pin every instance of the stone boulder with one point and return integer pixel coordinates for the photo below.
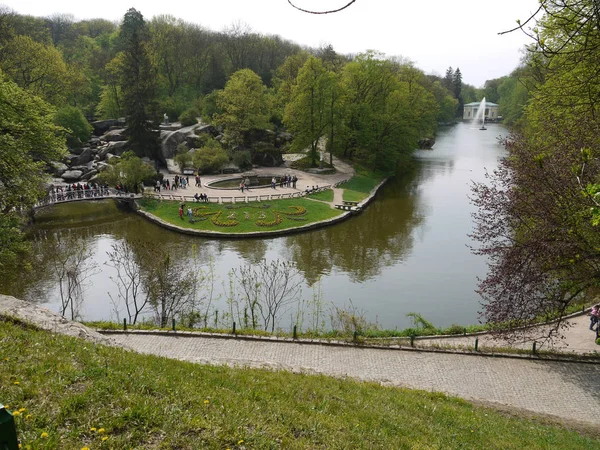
(89, 175)
(188, 135)
(115, 135)
(72, 175)
(102, 126)
(116, 148)
(58, 168)
(86, 156)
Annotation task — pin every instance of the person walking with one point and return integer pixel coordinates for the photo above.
(594, 317)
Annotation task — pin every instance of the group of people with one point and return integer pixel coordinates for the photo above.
(78, 190)
(285, 181)
(202, 197)
(178, 182)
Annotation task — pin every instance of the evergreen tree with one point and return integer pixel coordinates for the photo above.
(137, 84)
(448, 80)
(457, 83)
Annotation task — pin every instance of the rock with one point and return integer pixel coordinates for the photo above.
(102, 126)
(267, 159)
(116, 148)
(426, 143)
(89, 175)
(85, 157)
(171, 139)
(94, 142)
(115, 135)
(70, 159)
(72, 175)
(58, 168)
(83, 168)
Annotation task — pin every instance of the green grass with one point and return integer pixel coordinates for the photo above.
(68, 387)
(358, 187)
(242, 217)
(324, 196)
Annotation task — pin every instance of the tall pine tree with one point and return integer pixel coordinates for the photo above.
(138, 85)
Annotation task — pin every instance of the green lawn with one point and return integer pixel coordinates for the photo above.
(72, 394)
(242, 217)
(324, 196)
(358, 187)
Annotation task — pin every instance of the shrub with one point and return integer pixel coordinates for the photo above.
(189, 117)
(243, 159)
(72, 119)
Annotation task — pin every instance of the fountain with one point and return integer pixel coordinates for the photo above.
(480, 115)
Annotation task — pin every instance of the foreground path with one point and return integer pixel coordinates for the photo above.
(566, 390)
(569, 391)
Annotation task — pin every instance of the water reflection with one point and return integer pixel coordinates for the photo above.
(406, 252)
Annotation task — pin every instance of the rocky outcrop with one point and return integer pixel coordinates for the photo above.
(102, 126)
(48, 320)
(115, 135)
(72, 175)
(86, 156)
(188, 135)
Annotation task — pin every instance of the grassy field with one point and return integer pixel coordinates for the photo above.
(324, 196)
(242, 217)
(71, 394)
(358, 187)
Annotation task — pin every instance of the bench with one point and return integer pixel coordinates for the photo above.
(346, 203)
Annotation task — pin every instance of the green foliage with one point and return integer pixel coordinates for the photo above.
(130, 171)
(242, 159)
(420, 322)
(189, 117)
(71, 118)
(183, 158)
(137, 81)
(210, 158)
(38, 68)
(244, 105)
(28, 140)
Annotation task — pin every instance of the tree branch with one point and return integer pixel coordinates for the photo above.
(321, 12)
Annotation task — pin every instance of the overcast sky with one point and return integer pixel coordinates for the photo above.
(434, 34)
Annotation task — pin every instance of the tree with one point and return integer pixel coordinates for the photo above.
(537, 219)
(128, 279)
(72, 120)
(138, 85)
(449, 80)
(38, 68)
(170, 286)
(130, 171)
(308, 114)
(268, 289)
(244, 106)
(210, 158)
(72, 266)
(457, 83)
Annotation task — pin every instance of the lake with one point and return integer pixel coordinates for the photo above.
(407, 252)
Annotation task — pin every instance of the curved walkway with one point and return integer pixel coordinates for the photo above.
(343, 172)
(568, 391)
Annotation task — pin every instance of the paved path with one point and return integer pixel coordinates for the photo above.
(569, 391)
(343, 172)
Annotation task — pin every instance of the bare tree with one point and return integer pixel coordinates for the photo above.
(72, 265)
(268, 289)
(170, 287)
(128, 280)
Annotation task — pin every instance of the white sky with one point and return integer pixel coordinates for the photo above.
(435, 34)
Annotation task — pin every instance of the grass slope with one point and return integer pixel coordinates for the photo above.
(358, 187)
(73, 394)
(242, 217)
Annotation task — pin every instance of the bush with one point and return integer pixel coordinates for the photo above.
(210, 158)
(189, 117)
(598, 341)
(243, 160)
